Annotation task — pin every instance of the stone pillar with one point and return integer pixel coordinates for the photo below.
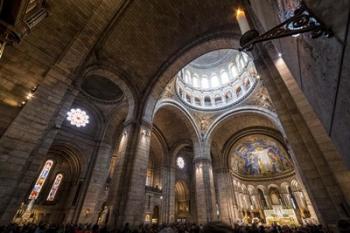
(225, 196)
(24, 145)
(96, 184)
(320, 166)
(127, 196)
(168, 178)
(204, 185)
(286, 200)
(124, 145)
(137, 178)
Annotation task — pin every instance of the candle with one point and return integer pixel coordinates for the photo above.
(242, 21)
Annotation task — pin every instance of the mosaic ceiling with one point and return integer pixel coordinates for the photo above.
(259, 156)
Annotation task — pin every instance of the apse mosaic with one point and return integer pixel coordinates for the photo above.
(259, 155)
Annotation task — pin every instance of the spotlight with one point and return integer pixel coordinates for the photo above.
(279, 54)
(145, 132)
(29, 96)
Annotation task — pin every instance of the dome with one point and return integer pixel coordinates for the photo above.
(259, 156)
(216, 79)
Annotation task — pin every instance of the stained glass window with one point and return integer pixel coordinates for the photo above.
(55, 186)
(180, 162)
(41, 180)
(78, 117)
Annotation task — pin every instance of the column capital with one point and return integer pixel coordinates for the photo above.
(140, 123)
(222, 170)
(201, 160)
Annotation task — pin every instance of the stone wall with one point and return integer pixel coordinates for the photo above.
(318, 65)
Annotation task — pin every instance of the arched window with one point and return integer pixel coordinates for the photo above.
(238, 91)
(228, 95)
(246, 84)
(207, 101)
(241, 62)
(56, 184)
(205, 83)
(218, 100)
(180, 92)
(262, 199)
(275, 196)
(224, 77)
(196, 83)
(234, 71)
(293, 199)
(41, 180)
(187, 77)
(188, 98)
(197, 101)
(245, 57)
(215, 81)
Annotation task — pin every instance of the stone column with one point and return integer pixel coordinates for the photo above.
(96, 183)
(124, 145)
(286, 200)
(127, 196)
(204, 185)
(168, 201)
(137, 178)
(320, 167)
(169, 194)
(225, 195)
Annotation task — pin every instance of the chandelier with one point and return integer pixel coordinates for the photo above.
(77, 117)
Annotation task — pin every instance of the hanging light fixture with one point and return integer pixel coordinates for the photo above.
(303, 21)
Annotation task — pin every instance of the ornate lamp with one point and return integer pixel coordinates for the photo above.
(17, 18)
(302, 21)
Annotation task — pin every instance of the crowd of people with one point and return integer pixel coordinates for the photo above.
(343, 227)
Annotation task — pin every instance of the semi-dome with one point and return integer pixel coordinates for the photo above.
(216, 80)
(259, 156)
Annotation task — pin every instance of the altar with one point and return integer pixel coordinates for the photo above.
(281, 216)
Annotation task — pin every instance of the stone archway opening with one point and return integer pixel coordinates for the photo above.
(182, 201)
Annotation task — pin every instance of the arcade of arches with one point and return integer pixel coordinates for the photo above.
(109, 123)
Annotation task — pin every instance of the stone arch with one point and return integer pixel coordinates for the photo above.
(182, 190)
(69, 162)
(255, 120)
(204, 44)
(183, 114)
(71, 153)
(295, 186)
(114, 124)
(251, 190)
(119, 78)
(275, 194)
(245, 109)
(262, 188)
(284, 187)
(176, 149)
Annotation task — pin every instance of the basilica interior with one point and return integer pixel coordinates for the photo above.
(174, 111)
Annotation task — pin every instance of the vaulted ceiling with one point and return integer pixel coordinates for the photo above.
(139, 38)
(148, 33)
